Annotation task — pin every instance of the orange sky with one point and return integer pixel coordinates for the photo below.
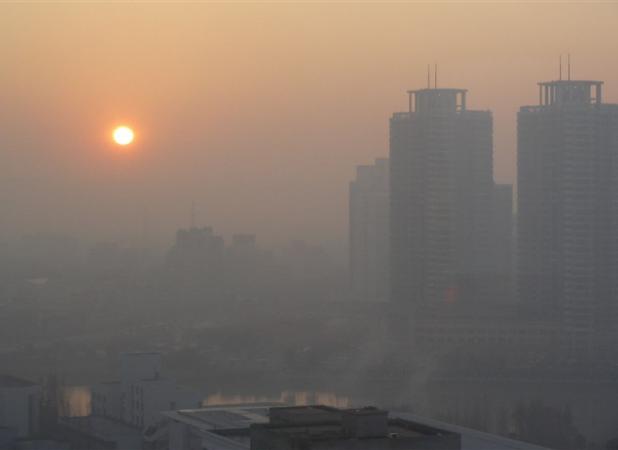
(256, 111)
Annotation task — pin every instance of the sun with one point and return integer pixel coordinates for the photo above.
(123, 135)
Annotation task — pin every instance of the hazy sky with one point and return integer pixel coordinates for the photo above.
(258, 112)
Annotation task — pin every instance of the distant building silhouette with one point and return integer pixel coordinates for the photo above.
(568, 205)
(501, 275)
(197, 257)
(249, 269)
(441, 199)
(369, 231)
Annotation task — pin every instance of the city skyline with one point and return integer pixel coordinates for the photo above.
(218, 127)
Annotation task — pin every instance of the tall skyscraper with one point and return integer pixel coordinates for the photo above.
(568, 205)
(441, 194)
(369, 230)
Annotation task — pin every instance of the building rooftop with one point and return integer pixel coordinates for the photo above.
(326, 431)
(304, 415)
(570, 82)
(104, 429)
(362, 428)
(473, 439)
(225, 427)
(437, 100)
(570, 92)
(222, 417)
(9, 381)
(139, 353)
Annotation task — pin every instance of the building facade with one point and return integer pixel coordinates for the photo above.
(20, 408)
(368, 232)
(141, 393)
(568, 206)
(441, 186)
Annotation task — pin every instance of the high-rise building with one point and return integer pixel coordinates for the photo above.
(369, 230)
(441, 193)
(567, 161)
(197, 258)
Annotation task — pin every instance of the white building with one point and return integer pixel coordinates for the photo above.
(106, 400)
(19, 406)
(141, 393)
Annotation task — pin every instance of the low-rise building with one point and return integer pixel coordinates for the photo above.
(271, 426)
(142, 392)
(213, 428)
(326, 428)
(20, 406)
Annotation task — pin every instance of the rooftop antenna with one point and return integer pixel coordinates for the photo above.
(428, 76)
(435, 75)
(569, 67)
(560, 68)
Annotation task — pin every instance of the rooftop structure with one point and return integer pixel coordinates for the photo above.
(99, 432)
(9, 381)
(213, 427)
(233, 427)
(432, 100)
(562, 92)
(322, 427)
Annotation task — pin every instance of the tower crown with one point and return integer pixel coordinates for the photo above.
(437, 100)
(570, 92)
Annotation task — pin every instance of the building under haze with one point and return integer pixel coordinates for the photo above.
(501, 255)
(140, 394)
(325, 428)
(369, 230)
(568, 205)
(441, 199)
(197, 258)
(19, 407)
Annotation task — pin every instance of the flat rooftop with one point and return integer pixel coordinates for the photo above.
(472, 439)
(305, 414)
(9, 381)
(102, 428)
(228, 417)
(335, 431)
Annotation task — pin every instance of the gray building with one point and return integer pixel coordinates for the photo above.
(441, 199)
(568, 205)
(322, 427)
(264, 425)
(19, 406)
(369, 231)
(196, 260)
(501, 254)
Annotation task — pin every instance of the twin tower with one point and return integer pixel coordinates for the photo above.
(443, 242)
